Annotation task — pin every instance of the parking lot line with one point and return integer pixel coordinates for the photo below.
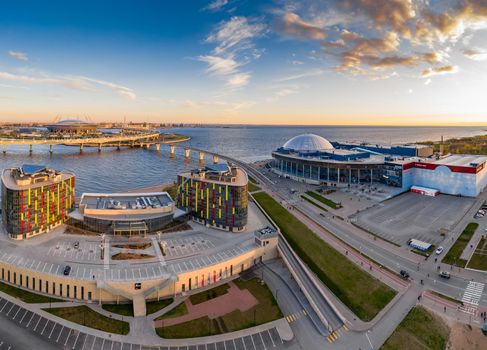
(43, 329)
(70, 330)
(28, 323)
(39, 320)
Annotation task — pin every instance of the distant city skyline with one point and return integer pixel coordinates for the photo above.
(310, 62)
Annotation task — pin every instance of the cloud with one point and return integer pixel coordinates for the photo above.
(234, 49)
(80, 83)
(18, 55)
(385, 14)
(238, 80)
(216, 5)
(305, 74)
(475, 54)
(293, 25)
(439, 71)
(374, 35)
(220, 65)
(235, 34)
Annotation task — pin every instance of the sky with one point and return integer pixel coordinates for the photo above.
(315, 62)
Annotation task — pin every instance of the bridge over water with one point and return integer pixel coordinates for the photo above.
(144, 140)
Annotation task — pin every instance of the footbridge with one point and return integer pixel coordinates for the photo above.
(142, 140)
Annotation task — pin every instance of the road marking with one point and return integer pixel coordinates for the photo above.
(74, 345)
(33, 314)
(43, 329)
(67, 338)
(40, 318)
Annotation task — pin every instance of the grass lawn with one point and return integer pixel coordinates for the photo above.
(453, 256)
(25, 296)
(133, 245)
(265, 311)
(314, 203)
(121, 309)
(323, 200)
(87, 317)
(179, 310)
(131, 256)
(154, 306)
(478, 260)
(251, 179)
(362, 293)
(208, 294)
(253, 187)
(420, 330)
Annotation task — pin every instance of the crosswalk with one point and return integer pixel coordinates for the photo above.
(337, 334)
(295, 316)
(471, 297)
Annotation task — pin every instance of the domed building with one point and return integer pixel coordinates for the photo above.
(72, 126)
(313, 159)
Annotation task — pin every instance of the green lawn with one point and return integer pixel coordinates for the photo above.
(253, 187)
(154, 306)
(121, 309)
(251, 179)
(179, 310)
(453, 256)
(25, 296)
(420, 330)
(208, 294)
(265, 311)
(362, 293)
(478, 260)
(323, 200)
(314, 203)
(87, 317)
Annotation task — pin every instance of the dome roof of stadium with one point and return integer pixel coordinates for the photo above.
(308, 142)
(71, 121)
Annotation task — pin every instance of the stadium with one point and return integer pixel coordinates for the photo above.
(72, 126)
(312, 159)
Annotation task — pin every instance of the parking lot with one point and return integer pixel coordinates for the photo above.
(411, 215)
(87, 251)
(187, 246)
(65, 337)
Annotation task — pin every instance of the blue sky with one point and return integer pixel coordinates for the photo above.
(243, 61)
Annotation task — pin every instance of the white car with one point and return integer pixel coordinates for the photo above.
(439, 250)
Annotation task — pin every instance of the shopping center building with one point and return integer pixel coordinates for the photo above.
(123, 213)
(313, 159)
(35, 200)
(215, 195)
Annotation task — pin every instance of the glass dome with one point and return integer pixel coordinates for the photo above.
(308, 142)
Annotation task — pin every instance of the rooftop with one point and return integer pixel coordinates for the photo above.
(32, 176)
(466, 160)
(308, 143)
(221, 173)
(128, 205)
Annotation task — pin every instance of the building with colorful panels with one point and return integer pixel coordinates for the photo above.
(215, 195)
(35, 200)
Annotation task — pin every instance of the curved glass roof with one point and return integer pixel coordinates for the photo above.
(308, 142)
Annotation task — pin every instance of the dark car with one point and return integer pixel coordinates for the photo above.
(404, 274)
(67, 270)
(444, 274)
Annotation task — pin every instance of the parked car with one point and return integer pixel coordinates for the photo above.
(439, 250)
(404, 274)
(67, 270)
(444, 274)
